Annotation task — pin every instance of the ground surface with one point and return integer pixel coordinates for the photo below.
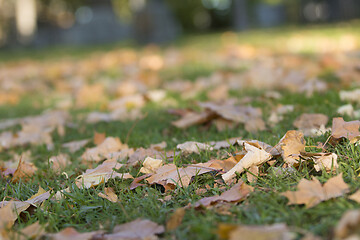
(304, 69)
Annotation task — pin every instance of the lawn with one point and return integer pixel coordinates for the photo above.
(251, 86)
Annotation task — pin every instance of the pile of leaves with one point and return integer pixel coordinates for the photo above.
(71, 150)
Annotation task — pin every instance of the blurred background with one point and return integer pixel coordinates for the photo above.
(41, 23)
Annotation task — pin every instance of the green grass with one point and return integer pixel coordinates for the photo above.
(84, 210)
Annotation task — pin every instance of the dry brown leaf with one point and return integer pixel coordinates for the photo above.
(7, 218)
(312, 192)
(170, 175)
(342, 129)
(277, 231)
(219, 93)
(226, 164)
(237, 193)
(98, 153)
(136, 230)
(109, 195)
(192, 118)
(70, 233)
(102, 173)
(59, 162)
(255, 155)
(175, 219)
(150, 165)
(99, 138)
(348, 226)
(159, 146)
(24, 171)
(250, 116)
(292, 143)
(193, 147)
(224, 143)
(75, 145)
(222, 124)
(136, 182)
(355, 196)
(308, 123)
(90, 95)
(20, 206)
(326, 161)
(33, 231)
(141, 153)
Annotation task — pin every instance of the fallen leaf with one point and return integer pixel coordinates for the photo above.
(348, 226)
(192, 118)
(70, 233)
(347, 109)
(159, 146)
(255, 155)
(140, 154)
(224, 143)
(98, 153)
(342, 129)
(75, 145)
(219, 93)
(170, 175)
(7, 217)
(24, 171)
(89, 95)
(150, 165)
(175, 219)
(237, 193)
(312, 192)
(350, 96)
(193, 147)
(33, 231)
(136, 182)
(269, 232)
(136, 230)
(99, 138)
(127, 102)
(109, 195)
(20, 206)
(326, 161)
(102, 173)
(308, 122)
(290, 145)
(59, 162)
(355, 196)
(249, 116)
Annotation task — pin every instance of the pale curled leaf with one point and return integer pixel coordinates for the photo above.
(150, 165)
(326, 161)
(255, 155)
